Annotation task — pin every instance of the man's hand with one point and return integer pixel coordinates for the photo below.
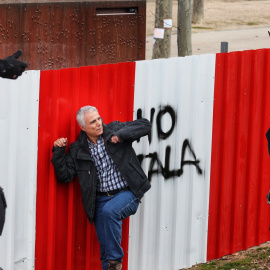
(268, 197)
(115, 139)
(268, 135)
(61, 142)
(11, 68)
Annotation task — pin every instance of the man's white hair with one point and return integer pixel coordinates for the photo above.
(81, 112)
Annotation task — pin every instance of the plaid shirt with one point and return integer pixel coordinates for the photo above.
(108, 175)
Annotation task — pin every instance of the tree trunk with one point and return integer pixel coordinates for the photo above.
(162, 47)
(184, 28)
(198, 12)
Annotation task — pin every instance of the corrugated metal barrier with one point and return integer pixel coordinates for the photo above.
(239, 215)
(206, 158)
(177, 95)
(19, 105)
(64, 238)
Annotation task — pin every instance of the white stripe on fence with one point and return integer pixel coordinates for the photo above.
(19, 104)
(170, 229)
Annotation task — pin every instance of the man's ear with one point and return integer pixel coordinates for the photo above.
(82, 128)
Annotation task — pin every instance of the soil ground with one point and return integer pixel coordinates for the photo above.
(244, 24)
(253, 258)
(221, 15)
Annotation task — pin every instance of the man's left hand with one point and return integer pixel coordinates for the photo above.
(115, 139)
(268, 135)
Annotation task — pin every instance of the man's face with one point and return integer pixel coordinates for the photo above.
(93, 125)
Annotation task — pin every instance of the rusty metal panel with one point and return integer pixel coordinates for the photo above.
(117, 33)
(56, 35)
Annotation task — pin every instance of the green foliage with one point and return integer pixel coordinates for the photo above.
(209, 266)
(245, 264)
(252, 23)
(202, 27)
(251, 259)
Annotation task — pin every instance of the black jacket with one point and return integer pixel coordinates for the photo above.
(3, 206)
(268, 139)
(78, 161)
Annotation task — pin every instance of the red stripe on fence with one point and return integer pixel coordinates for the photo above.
(64, 237)
(240, 167)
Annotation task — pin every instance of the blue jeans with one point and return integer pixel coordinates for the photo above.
(109, 213)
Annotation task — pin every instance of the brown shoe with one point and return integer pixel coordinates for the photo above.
(115, 265)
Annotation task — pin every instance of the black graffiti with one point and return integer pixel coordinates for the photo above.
(139, 116)
(162, 135)
(156, 166)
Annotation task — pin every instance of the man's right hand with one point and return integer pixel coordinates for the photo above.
(268, 135)
(61, 142)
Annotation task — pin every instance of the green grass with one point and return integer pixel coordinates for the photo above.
(256, 258)
(211, 265)
(261, 254)
(244, 264)
(252, 23)
(202, 27)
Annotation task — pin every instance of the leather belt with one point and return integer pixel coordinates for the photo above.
(111, 192)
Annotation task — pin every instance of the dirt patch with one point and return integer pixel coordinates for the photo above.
(253, 258)
(220, 15)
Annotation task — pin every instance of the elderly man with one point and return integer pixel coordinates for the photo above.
(111, 178)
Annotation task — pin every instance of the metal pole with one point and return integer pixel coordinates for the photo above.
(224, 47)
